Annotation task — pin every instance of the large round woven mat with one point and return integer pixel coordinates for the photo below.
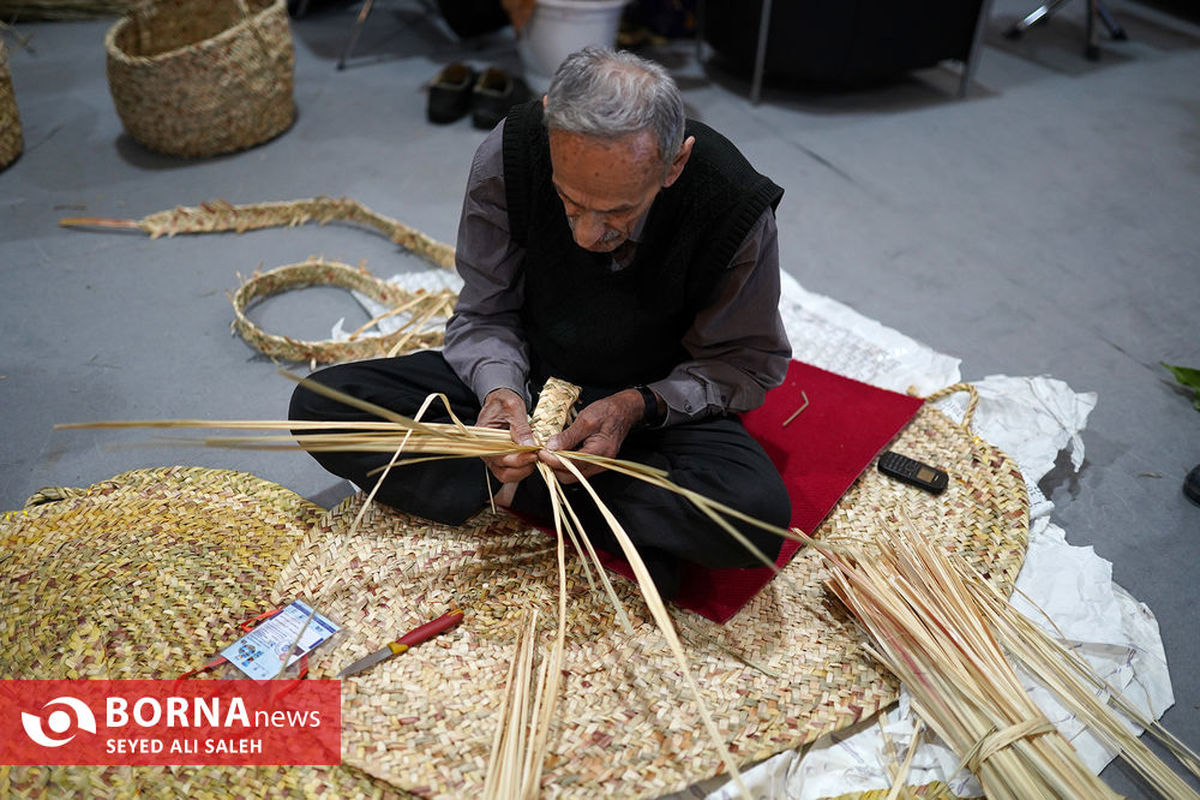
(787, 669)
(145, 576)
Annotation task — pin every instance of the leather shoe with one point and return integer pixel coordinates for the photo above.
(494, 94)
(450, 94)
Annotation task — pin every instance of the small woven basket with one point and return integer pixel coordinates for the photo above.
(11, 140)
(199, 78)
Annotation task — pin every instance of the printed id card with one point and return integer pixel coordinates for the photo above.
(261, 652)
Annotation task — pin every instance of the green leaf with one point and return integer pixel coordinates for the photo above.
(1189, 377)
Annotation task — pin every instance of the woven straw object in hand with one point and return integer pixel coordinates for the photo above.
(11, 140)
(202, 77)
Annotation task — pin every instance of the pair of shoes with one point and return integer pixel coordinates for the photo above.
(487, 95)
(495, 93)
(450, 94)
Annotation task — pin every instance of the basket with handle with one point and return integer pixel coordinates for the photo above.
(11, 140)
(199, 78)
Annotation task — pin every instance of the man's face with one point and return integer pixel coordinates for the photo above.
(606, 185)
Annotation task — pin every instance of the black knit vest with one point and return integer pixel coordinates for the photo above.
(602, 328)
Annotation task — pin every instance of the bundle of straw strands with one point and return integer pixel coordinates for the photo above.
(945, 633)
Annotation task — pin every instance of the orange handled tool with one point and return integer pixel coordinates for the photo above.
(410, 639)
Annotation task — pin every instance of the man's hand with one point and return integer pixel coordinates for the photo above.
(504, 408)
(600, 428)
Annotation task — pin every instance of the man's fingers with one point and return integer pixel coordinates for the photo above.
(512, 467)
(570, 437)
(517, 460)
(564, 475)
(549, 459)
(521, 433)
(510, 474)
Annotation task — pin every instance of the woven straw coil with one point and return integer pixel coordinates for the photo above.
(419, 304)
(11, 139)
(145, 576)
(786, 670)
(202, 77)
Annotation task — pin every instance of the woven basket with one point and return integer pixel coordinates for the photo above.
(11, 140)
(202, 77)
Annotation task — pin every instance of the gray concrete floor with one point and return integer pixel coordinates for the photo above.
(1048, 224)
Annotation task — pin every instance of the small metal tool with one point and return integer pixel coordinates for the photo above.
(414, 637)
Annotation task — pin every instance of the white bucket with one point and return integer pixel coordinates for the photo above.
(559, 28)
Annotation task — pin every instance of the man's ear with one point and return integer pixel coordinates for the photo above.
(676, 168)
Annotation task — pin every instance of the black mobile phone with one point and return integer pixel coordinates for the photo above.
(913, 472)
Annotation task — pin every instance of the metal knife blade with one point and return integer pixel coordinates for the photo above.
(366, 662)
(413, 637)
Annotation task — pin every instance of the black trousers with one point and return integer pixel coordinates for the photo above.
(715, 457)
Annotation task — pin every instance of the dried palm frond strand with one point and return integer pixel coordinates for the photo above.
(519, 751)
(221, 215)
(898, 770)
(935, 624)
(658, 610)
(506, 766)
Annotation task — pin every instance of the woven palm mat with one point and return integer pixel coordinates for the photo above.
(145, 576)
(787, 669)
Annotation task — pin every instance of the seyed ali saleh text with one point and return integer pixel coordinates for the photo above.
(148, 712)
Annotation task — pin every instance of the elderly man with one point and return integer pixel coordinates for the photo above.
(606, 240)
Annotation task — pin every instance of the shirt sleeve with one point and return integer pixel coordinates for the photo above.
(738, 346)
(485, 343)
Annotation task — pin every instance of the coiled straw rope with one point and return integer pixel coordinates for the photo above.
(420, 307)
(425, 311)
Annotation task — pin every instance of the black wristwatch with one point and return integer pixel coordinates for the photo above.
(652, 416)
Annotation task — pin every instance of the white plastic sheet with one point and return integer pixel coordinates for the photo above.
(431, 280)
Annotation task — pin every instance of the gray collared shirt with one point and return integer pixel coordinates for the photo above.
(737, 345)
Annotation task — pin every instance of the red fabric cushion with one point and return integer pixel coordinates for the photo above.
(819, 455)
